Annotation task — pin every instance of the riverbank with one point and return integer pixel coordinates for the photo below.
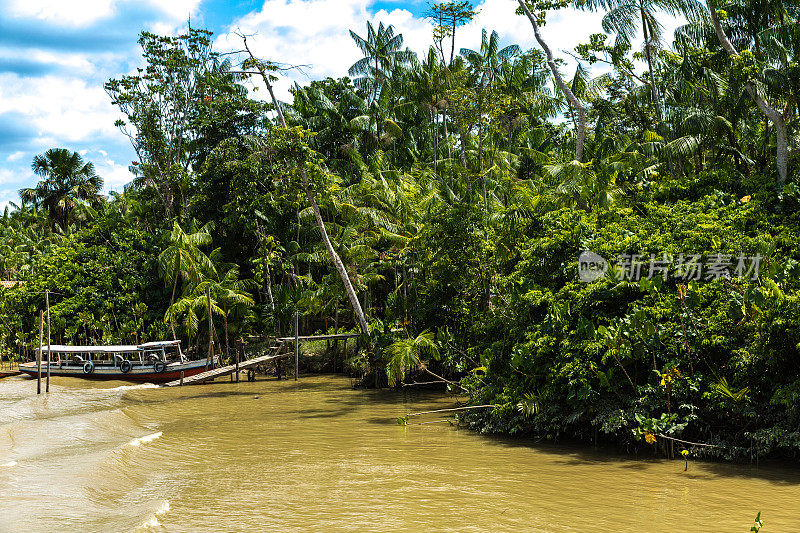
(318, 455)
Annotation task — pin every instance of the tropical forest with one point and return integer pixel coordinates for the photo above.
(606, 254)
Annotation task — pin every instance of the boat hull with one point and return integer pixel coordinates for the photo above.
(143, 374)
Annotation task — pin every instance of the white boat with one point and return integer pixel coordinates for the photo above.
(153, 362)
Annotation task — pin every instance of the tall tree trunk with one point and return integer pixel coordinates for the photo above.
(435, 122)
(773, 115)
(508, 152)
(337, 262)
(480, 147)
(171, 303)
(648, 56)
(265, 77)
(268, 273)
(580, 134)
(227, 345)
(210, 357)
(452, 40)
(463, 136)
(446, 135)
(268, 282)
(654, 88)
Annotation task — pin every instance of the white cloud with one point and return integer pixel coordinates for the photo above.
(59, 109)
(8, 176)
(115, 176)
(16, 156)
(61, 12)
(316, 34)
(82, 13)
(177, 10)
(6, 197)
(295, 32)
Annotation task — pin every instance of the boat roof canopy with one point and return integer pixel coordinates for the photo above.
(159, 344)
(121, 348)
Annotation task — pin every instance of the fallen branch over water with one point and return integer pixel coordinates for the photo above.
(437, 376)
(403, 420)
(688, 442)
(451, 409)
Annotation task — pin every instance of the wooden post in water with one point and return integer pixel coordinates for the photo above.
(39, 355)
(296, 346)
(238, 348)
(181, 378)
(210, 358)
(47, 300)
(336, 341)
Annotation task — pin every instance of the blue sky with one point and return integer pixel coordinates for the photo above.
(55, 56)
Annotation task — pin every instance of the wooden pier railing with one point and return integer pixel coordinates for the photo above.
(273, 353)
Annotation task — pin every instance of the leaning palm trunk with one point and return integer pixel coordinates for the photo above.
(265, 77)
(446, 134)
(337, 262)
(580, 126)
(775, 116)
(268, 273)
(268, 282)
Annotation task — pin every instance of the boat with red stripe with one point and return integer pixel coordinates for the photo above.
(153, 362)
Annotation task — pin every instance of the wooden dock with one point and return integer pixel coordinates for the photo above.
(226, 370)
(274, 354)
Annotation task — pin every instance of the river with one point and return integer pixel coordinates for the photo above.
(318, 456)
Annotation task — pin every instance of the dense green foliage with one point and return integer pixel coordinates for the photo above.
(451, 194)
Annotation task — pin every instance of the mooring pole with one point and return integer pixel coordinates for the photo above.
(39, 355)
(296, 346)
(47, 300)
(238, 348)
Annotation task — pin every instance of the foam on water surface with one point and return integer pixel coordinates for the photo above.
(144, 440)
(153, 522)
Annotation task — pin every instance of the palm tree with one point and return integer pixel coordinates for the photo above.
(183, 258)
(67, 179)
(773, 112)
(485, 64)
(577, 106)
(330, 108)
(382, 52)
(228, 291)
(337, 262)
(405, 355)
(626, 17)
(381, 49)
(426, 88)
(193, 306)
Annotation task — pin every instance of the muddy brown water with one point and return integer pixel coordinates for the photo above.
(318, 456)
